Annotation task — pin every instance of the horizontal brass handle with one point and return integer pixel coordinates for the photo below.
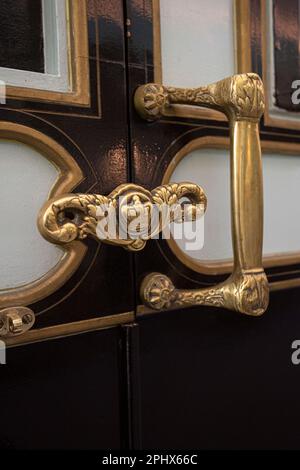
(241, 98)
(73, 217)
(15, 321)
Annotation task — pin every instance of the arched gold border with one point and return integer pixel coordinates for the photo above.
(225, 266)
(70, 176)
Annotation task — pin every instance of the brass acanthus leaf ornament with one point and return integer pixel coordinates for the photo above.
(240, 96)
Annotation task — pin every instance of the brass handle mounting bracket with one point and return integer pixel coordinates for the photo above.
(15, 321)
(241, 99)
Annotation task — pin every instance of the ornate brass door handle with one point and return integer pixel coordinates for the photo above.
(77, 216)
(241, 98)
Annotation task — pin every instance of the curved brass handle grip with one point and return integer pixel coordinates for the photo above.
(241, 98)
(73, 217)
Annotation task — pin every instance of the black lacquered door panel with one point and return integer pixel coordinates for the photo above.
(210, 378)
(89, 126)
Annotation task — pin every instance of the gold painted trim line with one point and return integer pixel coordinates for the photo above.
(70, 329)
(79, 94)
(70, 175)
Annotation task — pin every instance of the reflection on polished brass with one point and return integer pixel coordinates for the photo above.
(75, 216)
(241, 98)
(15, 321)
(70, 175)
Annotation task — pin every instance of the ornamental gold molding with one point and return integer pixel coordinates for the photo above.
(241, 99)
(76, 216)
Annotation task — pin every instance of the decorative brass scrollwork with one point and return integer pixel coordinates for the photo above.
(77, 216)
(241, 98)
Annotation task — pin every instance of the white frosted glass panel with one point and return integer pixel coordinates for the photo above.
(26, 178)
(197, 41)
(210, 169)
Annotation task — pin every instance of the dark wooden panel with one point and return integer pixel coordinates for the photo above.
(62, 394)
(212, 379)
